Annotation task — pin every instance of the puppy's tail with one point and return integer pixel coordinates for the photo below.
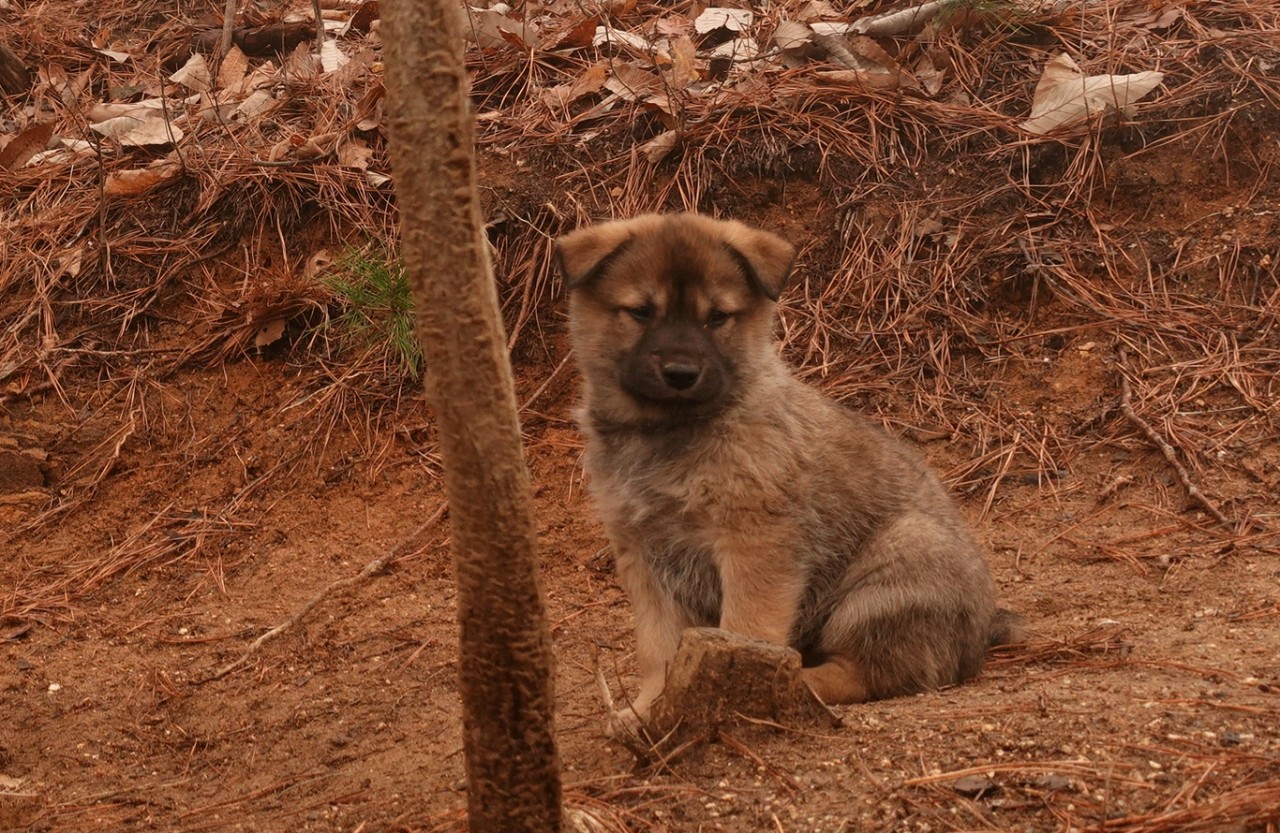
(1007, 628)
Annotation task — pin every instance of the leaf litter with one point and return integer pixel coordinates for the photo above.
(226, 161)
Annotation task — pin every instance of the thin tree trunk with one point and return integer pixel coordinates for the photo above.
(505, 663)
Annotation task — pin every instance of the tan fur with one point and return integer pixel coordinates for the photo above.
(736, 496)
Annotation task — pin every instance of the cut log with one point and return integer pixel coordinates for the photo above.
(718, 677)
(14, 76)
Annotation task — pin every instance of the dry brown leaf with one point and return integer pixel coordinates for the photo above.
(735, 20)
(1066, 96)
(657, 148)
(137, 132)
(354, 154)
(135, 181)
(899, 21)
(194, 74)
(369, 109)
(257, 104)
(632, 83)
(231, 72)
(491, 28)
(929, 76)
(152, 108)
(684, 63)
(816, 10)
(269, 333)
(792, 35)
(33, 139)
(607, 35)
(592, 80)
(738, 49)
(332, 57)
(578, 35)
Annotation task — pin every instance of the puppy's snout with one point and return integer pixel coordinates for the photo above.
(680, 375)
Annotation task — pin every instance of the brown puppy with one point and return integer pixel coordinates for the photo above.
(736, 496)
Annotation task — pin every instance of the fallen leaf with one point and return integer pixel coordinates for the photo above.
(232, 69)
(609, 35)
(792, 35)
(580, 34)
(269, 333)
(633, 83)
(70, 261)
(33, 139)
(684, 66)
(490, 28)
(354, 154)
(152, 108)
(816, 10)
(590, 81)
(738, 49)
(331, 57)
(118, 57)
(135, 181)
(899, 21)
(132, 131)
(363, 18)
(194, 74)
(369, 109)
(735, 20)
(1065, 95)
(258, 103)
(657, 148)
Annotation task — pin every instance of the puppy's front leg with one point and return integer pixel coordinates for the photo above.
(761, 584)
(659, 622)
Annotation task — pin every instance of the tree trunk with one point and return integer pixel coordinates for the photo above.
(505, 663)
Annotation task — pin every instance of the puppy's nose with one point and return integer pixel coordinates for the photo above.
(681, 375)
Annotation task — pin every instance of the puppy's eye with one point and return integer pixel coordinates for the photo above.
(641, 314)
(717, 318)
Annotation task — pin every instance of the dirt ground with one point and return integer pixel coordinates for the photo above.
(1147, 698)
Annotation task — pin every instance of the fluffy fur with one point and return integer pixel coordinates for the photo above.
(736, 496)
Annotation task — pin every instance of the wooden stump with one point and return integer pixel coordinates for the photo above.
(14, 75)
(717, 677)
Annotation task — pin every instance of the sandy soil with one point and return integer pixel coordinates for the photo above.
(1148, 698)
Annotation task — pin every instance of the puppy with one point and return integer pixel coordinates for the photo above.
(736, 496)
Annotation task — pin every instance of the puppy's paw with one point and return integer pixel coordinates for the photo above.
(627, 724)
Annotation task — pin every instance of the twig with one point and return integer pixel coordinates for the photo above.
(228, 21)
(619, 729)
(1170, 454)
(371, 569)
(315, 8)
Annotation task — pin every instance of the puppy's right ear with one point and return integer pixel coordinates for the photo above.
(583, 254)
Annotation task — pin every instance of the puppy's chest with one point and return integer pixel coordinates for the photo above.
(699, 489)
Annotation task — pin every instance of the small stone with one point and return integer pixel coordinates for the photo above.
(974, 786)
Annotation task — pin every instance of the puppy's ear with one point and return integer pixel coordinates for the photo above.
(583, 254)
(764, 256)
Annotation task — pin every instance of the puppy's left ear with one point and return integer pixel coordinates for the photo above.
(765, 257)
(583, 254)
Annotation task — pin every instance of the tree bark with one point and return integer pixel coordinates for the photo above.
(505, 661)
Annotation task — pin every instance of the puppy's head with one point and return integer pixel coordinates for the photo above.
(670, 313)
